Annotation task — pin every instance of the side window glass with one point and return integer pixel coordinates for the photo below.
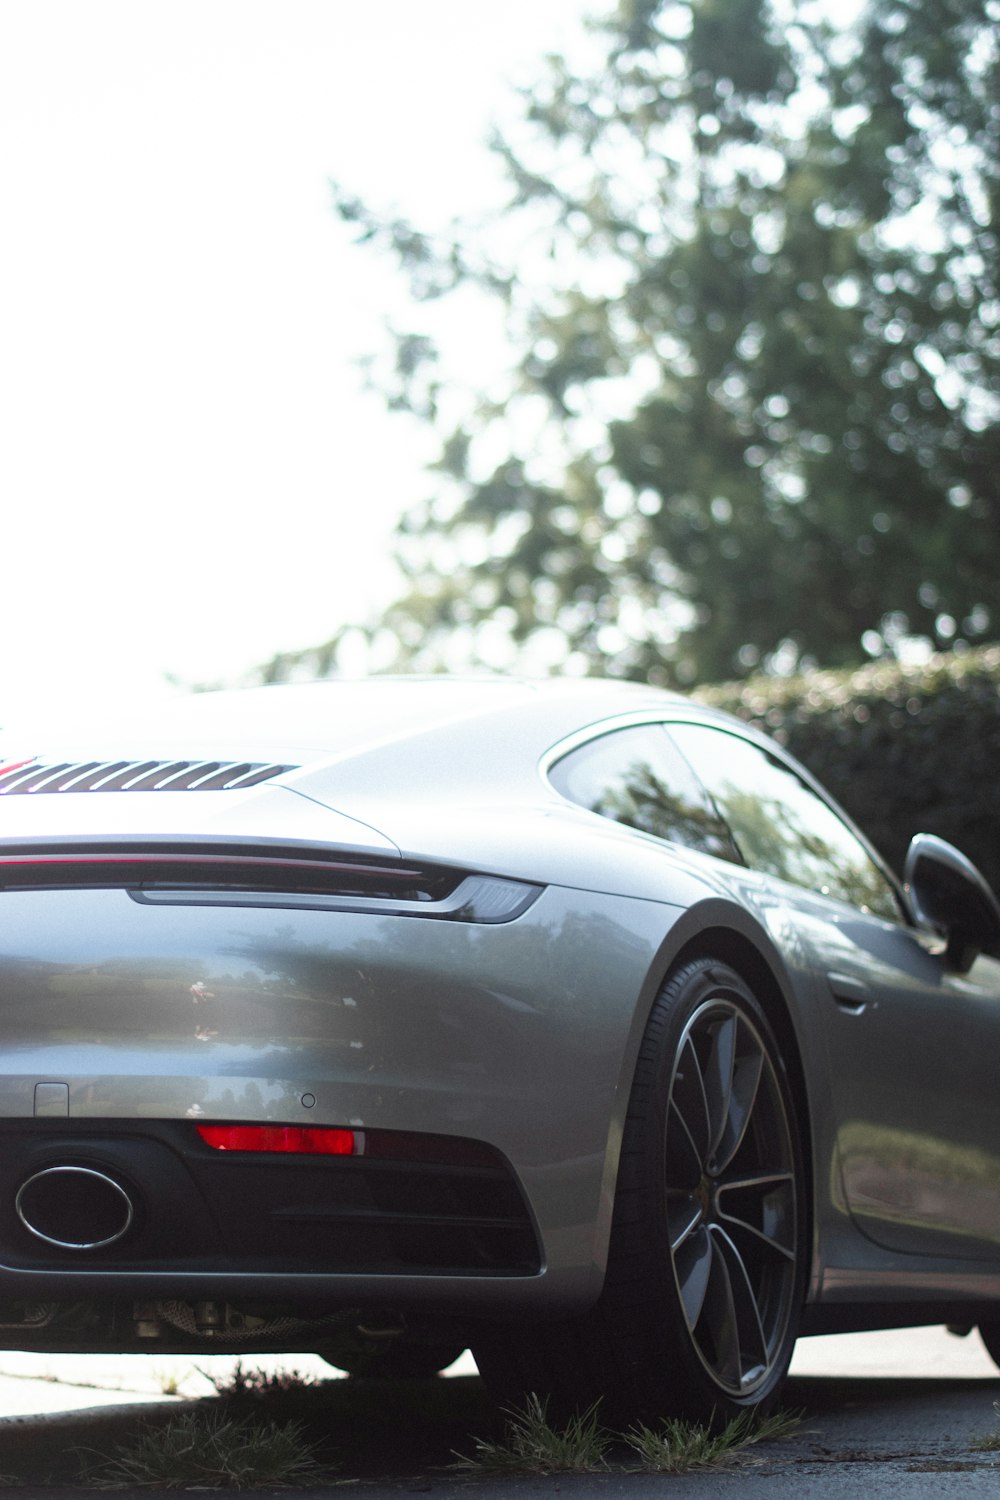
(780, 825)
(636, 776)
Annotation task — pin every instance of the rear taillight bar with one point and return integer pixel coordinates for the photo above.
(277, 880)
(285, 1140)
(417, 1147)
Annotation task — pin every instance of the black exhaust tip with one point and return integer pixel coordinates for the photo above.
(76, 1208)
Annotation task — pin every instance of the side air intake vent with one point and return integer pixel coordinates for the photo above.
(136, 776)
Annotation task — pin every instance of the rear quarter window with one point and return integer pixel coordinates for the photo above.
(780, 825)
(636, 776)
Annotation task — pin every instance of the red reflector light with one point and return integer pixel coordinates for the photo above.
(291, 1140)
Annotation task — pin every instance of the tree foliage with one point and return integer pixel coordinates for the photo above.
(749, 266)
(905, 748)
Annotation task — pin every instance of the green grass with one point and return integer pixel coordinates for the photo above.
(532, 1445)
(676, 1447)
(991, 1442)
(242, 1384)
(205, 1449)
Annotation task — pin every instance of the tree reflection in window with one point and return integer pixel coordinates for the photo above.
(636, 776)
(779, 823)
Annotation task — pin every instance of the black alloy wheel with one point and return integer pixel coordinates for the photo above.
(731, 1195)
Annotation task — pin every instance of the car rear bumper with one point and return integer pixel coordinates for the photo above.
(125, 1024)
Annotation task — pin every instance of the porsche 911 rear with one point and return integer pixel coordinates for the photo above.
(389, 1017)
(251, 1086)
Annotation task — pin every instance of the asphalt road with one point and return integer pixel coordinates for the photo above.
(894, 1414)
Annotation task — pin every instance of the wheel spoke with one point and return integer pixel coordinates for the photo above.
(747, 1074)
(763, 1206)
(739, 1337)
(689, 1109)
(719, 1081)
(719, 1333)
(737, 1227)
(683, 1217)
(694, 1264)
(684, 1162)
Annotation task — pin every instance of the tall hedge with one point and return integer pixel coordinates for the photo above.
(905, 749)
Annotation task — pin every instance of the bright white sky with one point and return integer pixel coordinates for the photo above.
(191, 478)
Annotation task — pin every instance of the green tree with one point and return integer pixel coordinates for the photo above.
(755, 416)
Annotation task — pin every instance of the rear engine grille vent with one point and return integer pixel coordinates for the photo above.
(136, 776)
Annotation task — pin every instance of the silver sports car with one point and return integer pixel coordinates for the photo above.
(568, 1021)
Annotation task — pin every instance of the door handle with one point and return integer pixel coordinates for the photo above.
(850, 994)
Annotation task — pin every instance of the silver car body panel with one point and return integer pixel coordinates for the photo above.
(520, 1040)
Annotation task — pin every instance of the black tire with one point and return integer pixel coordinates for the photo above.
(396, 1357)
(707, 1261)
(990, 1335)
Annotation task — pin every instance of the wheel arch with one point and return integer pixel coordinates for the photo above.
(718, 929)
(720, 936)
(724, 930)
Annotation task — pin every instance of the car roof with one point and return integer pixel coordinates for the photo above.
(331, 719)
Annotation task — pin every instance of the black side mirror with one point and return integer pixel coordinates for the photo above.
(949, 893)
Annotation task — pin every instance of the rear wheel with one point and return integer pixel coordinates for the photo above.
(392, 1355)
(706, 1268)
(990, 1335)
